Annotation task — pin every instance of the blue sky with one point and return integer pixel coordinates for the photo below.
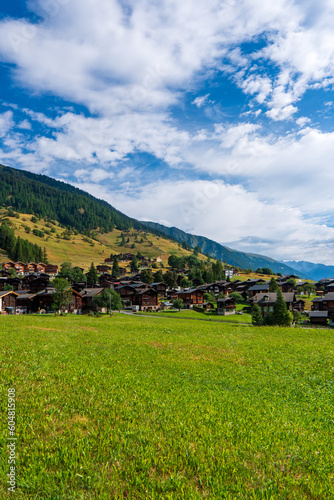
(215, 117)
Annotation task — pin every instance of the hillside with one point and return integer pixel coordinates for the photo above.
(218, 251)
(45, 197)
(82, 250)
(63, 205)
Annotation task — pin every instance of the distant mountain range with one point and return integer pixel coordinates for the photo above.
(234, 257)
(313, 271)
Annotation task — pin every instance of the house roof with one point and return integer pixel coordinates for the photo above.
(90, 292)
(190, 290)
(318, 314)
(256, 288)
(226, 300)
(26, 295)
(260, 297)
(329, 296)
(2, 294)
(146, 290)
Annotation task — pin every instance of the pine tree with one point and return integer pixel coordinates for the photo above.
(273, 286)
(92, 275)
(257, 319)
(282, 316)
(115, 268)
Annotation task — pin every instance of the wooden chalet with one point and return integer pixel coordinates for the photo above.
(8, 302)
(226, 306)
(254, 290)
(19, 267)
(35, 282)
(147, 299)
(286, 286)
(51, 269)
(8, 265)
(3, 283)
(87, 295)
(160, 287)
(325, 303)
(103, 268)
(318, 317)
(191, 297)
(31, 267)
(43, 301)
(26, 302)
(16, 283)
(266, 301)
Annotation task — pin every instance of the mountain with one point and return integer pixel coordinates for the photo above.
(43, 196)
(314, 271)
(72, 208)
(218, 251)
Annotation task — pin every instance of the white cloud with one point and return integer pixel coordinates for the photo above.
(130, 66)
(6, 123)
(205, 208)
(200, 100)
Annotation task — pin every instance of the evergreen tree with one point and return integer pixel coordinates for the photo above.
(92, 275)
(134, 264)
(170, 278)
(273, 286)
(147, 277)
(115, 268)
(158, 277)
(257, 319)
(282, 316)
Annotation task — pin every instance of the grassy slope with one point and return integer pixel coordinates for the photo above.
(142, 408)
(82, 253)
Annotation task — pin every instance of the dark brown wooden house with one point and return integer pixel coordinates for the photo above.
(226, 306)
(8, 302)
(191, 297)
(147, 299)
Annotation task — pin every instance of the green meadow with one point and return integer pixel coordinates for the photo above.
(151, 408)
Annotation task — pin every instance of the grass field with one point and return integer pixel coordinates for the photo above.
(144, 408)
(206, 316)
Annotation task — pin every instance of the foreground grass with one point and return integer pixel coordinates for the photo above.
(140, 408)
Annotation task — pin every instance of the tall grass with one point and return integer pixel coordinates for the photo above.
(140, 408)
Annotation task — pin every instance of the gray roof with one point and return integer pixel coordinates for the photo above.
(26, 296)
(260, 297)
(318, 314)
(256, 288)
(329, 296)
(90, 292)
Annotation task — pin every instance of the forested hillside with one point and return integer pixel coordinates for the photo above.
(45, 197)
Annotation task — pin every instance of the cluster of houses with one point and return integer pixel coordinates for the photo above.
(323, 304)
(31, 291)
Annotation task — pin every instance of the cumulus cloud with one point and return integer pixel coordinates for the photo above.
(204, 207)
(129, 66)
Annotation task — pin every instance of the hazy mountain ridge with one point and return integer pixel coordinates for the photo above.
(218, 251)
(314, 271)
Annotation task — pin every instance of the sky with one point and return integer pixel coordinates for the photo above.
(215, 117)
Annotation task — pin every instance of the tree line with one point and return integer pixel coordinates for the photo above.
(19, 249)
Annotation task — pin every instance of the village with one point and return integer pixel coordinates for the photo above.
(26, 288)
